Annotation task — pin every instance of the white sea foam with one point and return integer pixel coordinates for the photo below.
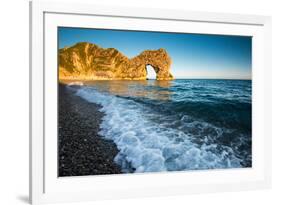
(79, 83)
(149, 146)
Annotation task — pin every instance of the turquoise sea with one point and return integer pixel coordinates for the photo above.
(175, 125)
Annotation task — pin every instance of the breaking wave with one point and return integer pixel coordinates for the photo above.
(150, 139)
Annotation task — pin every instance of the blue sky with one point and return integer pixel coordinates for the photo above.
(193, 55)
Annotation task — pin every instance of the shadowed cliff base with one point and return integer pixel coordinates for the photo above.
(86, 61)
(81, 150)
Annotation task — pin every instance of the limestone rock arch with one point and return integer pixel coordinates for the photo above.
(159, 60)
(86, 61)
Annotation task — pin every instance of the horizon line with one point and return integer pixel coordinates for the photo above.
(205, 78)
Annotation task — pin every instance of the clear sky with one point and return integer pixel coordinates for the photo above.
(193, 55)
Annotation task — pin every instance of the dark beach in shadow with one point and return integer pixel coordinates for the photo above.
(81, 150)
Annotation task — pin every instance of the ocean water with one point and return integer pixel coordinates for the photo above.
(175, 125)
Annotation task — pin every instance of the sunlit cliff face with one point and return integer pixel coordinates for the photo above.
(86, 61)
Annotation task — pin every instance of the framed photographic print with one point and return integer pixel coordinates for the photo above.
(132, 103)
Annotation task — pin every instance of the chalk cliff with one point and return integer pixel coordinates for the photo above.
(86, 61)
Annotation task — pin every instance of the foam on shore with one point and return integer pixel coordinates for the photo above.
(150, 145)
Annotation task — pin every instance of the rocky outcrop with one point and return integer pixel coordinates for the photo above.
(86, 61)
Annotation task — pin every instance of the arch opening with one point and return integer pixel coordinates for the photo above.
(150, 73)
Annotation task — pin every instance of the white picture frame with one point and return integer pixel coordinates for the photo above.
(46, 187)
